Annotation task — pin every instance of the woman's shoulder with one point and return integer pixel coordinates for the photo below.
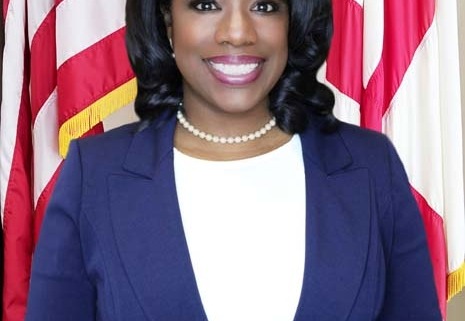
(108, 147)
(350, 147)
(129, 147)
(373, 151)
(358, 135)
(123, 132)
(365, 144)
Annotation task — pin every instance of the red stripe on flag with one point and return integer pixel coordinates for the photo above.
(92, 73)
(43, 63)
(6, 4)
(437, 246)
(344, 68)
(405, 25)
(18, 214)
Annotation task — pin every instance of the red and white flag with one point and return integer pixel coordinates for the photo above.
(394, 67)
(65, 69)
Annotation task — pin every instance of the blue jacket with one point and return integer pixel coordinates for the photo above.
(112, 246)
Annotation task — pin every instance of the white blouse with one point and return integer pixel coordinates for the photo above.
(244, 222)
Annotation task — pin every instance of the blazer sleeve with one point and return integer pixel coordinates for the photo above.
(410, 292)
(60, 288)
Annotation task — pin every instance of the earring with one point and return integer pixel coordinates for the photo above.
(172, 49)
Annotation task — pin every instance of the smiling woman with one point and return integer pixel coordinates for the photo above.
(230, 54)
(238, 195)
(228, 33)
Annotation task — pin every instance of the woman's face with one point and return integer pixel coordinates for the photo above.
(230, 52)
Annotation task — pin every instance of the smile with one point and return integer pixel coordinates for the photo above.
(235, 70)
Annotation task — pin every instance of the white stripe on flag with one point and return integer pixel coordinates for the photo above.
(449, 79)
(413, 122)
(13, 70)
(80, 24)
(37, 11)
(46, 156)
(345, 108)
(373, 21)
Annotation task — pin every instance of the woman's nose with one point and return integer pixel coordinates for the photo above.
(236, 28)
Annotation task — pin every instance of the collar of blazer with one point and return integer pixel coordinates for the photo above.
(338, 220)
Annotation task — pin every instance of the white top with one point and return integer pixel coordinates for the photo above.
(244, 222)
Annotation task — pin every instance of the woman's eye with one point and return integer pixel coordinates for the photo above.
(204, 5)
(266, 7)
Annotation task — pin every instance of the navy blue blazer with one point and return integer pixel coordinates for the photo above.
(112, 246)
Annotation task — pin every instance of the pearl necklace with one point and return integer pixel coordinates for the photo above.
(224, 140)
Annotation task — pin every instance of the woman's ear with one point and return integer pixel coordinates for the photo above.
(168, 21)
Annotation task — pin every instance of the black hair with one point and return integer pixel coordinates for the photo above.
(297, 97)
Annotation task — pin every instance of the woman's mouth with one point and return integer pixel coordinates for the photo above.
(235, 70)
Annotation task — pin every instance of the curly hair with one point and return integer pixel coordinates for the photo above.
(295, 100)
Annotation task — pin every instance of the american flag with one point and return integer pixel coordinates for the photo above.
(393, 66)
(65, 70)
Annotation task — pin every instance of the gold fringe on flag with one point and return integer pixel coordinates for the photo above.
(82, 122)
(455, 282)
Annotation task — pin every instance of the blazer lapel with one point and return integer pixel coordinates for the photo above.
(338, 223)
(152, 245)
(148, 228)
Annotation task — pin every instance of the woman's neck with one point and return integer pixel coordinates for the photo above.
(194, 146)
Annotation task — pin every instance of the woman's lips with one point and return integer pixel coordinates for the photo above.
(235, 70)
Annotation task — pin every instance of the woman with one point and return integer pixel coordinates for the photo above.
(238, 196)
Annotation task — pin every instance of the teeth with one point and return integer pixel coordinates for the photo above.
(234, 70)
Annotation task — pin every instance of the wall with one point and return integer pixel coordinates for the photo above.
(456, 308)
